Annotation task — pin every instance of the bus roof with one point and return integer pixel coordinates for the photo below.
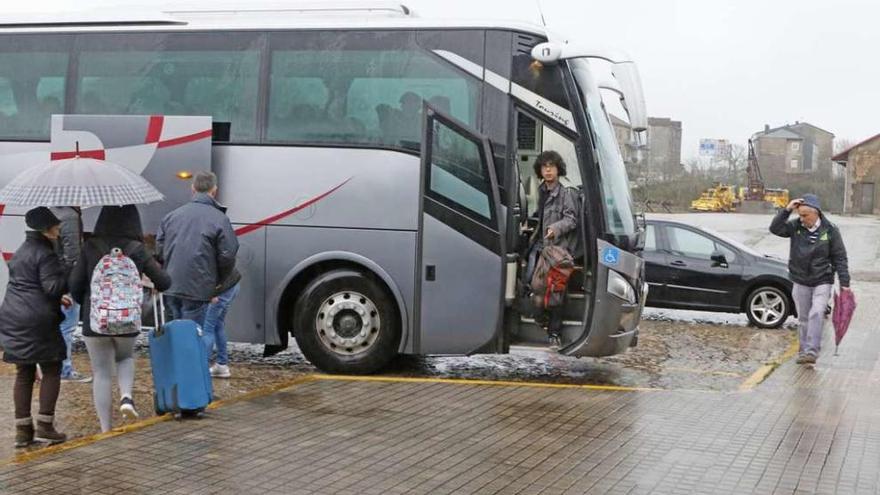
(253, 16)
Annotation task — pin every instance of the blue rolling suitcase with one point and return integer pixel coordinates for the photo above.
(181, 378)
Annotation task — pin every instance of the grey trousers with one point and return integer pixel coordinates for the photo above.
(104, 352)
(810, 303)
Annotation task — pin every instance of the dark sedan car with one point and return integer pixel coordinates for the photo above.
(689, 267)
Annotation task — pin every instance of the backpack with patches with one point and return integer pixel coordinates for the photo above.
(116, 295)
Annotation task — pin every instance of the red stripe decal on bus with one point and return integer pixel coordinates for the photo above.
(64, 155)
(247, 229)
(154, 129)
(185, 139)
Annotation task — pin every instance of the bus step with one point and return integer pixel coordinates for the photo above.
(567, 323)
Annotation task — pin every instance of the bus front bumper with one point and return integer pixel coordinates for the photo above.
(620, 320)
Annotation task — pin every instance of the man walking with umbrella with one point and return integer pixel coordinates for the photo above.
(816, 253)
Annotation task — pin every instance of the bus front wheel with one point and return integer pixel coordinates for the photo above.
(345, 322)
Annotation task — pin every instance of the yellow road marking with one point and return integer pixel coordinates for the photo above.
(139, 425)
(704, 372)
(465, 381)
(764, 371)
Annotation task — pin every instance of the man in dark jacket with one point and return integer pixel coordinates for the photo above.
(29, 319)
(197, 244)
(70, 244)
(816, 253)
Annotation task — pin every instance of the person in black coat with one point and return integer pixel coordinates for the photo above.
(29, 319)
(117, 227)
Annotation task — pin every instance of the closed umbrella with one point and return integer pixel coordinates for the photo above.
(844, 306)
(78, 181)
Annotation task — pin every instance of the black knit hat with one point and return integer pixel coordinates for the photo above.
(40, 219)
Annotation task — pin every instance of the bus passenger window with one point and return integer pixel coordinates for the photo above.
(223, 83)
(31, 89)
(372, 89)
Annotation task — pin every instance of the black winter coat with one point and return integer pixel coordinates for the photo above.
(31, 311)
(813, 258)
(116, 227)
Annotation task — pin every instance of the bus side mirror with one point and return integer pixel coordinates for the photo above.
(547, 52)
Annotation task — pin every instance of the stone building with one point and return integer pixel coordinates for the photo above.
(862, 163)
(625, 140)
(792, 151)
(630, 150)
(664, 148)
(659, 158)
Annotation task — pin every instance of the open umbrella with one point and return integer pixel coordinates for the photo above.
(78, 181)
(844, 306)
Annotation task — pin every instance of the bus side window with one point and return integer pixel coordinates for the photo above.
(376, 86)
(31, 89)
(172, 74)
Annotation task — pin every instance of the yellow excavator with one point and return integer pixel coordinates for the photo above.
(720, 197)
(725, 198)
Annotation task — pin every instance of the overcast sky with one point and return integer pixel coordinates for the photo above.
(723, 68)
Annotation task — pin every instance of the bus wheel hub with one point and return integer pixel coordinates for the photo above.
(348, 323)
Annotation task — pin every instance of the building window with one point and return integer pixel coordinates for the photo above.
(794, 164)
(795, 146)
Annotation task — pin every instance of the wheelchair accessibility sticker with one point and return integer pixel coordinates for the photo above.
(611, 256)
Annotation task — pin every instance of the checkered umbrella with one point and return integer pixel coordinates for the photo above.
(78, 182)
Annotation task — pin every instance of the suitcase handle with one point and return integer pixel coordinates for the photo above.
(158, 312)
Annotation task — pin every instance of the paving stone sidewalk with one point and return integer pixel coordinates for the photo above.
(802, 431)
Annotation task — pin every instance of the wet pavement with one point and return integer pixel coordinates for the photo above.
(75, 411)
(672, 354)
(804, 430)
(667, 417)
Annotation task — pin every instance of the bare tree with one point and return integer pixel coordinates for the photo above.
(842, 144)
(738, 161)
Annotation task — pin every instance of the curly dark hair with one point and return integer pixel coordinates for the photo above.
(552, 158)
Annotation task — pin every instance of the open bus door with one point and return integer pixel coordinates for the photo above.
(460, 274)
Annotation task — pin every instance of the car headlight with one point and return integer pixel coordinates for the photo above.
(619, 286)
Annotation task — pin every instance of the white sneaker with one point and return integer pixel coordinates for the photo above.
(220, 371)
(127, 409)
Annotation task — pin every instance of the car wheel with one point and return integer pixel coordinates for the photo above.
(345, 322)
(768, 307)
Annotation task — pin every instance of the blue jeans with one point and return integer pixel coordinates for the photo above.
(215, 333)
(68, 326)
(187, 309)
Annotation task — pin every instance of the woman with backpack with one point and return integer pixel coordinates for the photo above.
(29, 319)
(118, 227)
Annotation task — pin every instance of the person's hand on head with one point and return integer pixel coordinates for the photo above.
(794, 204)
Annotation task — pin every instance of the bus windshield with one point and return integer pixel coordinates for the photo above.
(615, 184)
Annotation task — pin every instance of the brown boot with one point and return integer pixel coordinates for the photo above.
(24, 432)
(46, 430)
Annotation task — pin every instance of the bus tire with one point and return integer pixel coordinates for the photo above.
(346, 323)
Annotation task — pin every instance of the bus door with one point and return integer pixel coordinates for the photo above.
(460, 262)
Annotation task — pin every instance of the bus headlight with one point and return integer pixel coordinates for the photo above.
(619, 286)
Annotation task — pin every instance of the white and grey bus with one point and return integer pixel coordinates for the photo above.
(377, 166)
